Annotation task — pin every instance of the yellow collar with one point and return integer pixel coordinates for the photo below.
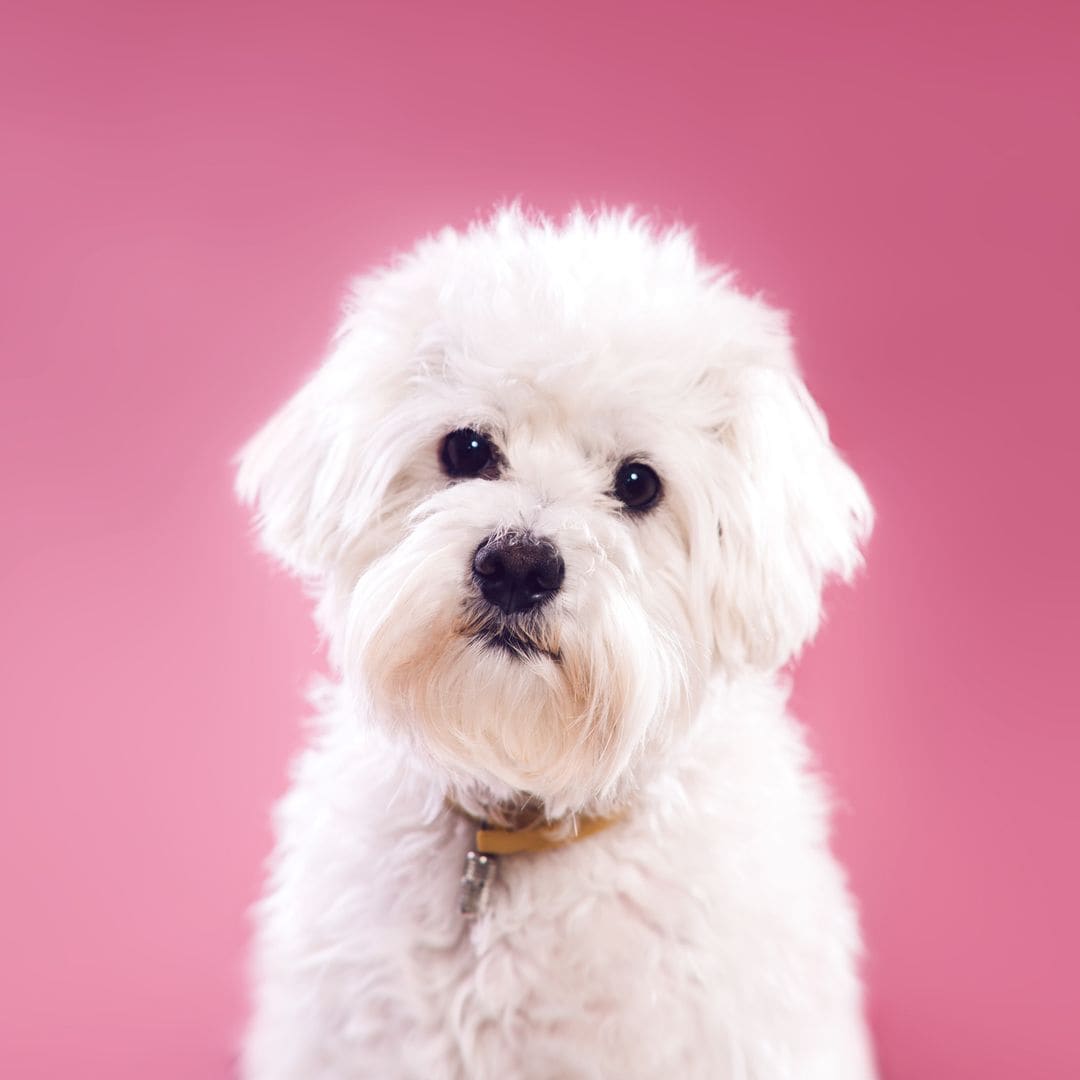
(535, 834)
(532, 833)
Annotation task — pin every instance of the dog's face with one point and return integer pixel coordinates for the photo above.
(550, 479)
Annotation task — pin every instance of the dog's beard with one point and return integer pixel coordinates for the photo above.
(557, 703)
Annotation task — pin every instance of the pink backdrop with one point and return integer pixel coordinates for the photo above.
(186, 188)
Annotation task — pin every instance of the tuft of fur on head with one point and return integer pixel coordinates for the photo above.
(574, 346)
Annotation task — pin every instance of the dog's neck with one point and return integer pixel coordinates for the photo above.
(510, 829)
(514, 814)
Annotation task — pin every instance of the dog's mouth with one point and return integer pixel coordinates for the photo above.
(508, 640)
(521, 639)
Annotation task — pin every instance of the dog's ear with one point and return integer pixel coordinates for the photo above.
(296, 474)
(797, 514)
(313, 473)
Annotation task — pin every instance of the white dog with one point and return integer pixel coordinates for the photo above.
(566, 509)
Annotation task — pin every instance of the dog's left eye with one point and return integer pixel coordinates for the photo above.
(466, 453)
(636, 486)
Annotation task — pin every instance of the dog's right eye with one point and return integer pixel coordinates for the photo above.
(467, 453)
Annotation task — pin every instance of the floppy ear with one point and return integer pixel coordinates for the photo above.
(312, 473)
(294, 472)
(798, 515)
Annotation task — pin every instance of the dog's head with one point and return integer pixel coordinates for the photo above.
(549, 480)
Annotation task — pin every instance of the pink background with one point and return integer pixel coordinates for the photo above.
(186, 188)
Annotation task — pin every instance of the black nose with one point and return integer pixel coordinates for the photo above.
(516, 571)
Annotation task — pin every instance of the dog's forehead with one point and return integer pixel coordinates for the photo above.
(603, 379)
(589, 400)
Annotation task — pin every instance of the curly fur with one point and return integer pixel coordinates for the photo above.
(710, 931)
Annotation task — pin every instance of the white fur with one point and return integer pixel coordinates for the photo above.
(709, 933)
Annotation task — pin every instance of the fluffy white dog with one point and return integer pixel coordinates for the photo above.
(566, 509)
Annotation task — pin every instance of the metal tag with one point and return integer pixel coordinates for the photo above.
(476, 881)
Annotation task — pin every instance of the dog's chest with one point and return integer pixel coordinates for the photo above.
(683, 912)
